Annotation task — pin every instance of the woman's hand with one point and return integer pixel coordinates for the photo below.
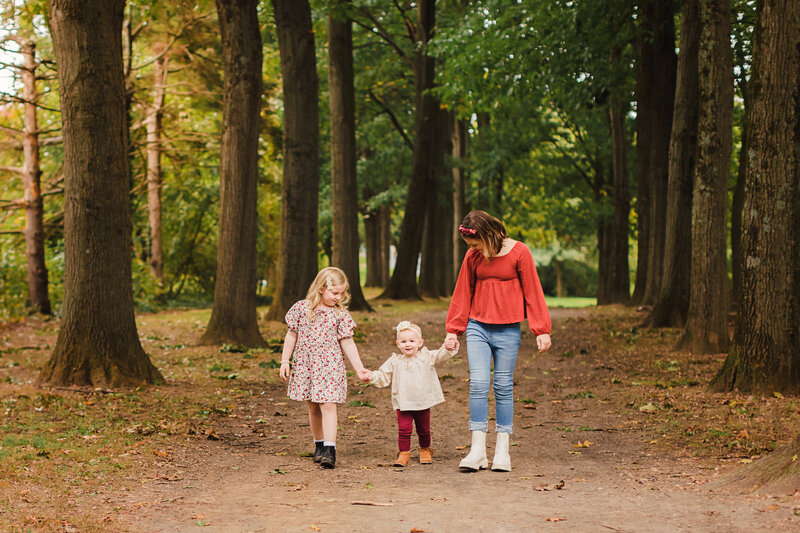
(450, 341)
(285, 370)
(543, 342)
(364, 375)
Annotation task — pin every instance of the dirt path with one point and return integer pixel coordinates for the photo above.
(253, 479)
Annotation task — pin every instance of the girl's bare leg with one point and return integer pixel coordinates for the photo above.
(329, 421)
(315, 419)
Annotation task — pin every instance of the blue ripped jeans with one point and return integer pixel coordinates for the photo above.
(492, 345)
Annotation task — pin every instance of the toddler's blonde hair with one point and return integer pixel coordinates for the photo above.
(405, 324)
(328, 277)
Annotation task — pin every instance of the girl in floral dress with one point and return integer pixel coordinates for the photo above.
(320, 336)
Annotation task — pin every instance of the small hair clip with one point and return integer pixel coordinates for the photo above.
(469, 232)
(328, 282)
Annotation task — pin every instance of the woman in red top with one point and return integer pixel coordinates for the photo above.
(497, 288)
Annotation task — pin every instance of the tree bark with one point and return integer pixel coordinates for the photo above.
(343, 152)
(706, 328)
(31, 174)
(234, 318)
(154, 175)
(460, 139)
(616, 242)
(297, 263)
(97, 344)
(661, 14)
(436, 277)
(765, 354)
(672, 306)
(403, 284)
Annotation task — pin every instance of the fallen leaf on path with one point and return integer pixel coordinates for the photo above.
(771, 507)
(198, 516)
(277, 471)
(461, 447)
(374, 504)
(547, 487)
(745, 461)
(556, 519)
(415, 530)
(315, 528)
(584, 444)
(648, 408)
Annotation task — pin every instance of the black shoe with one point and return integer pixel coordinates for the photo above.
(318, 451)
(328, 459)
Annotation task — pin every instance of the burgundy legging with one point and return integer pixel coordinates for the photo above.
(405, 422)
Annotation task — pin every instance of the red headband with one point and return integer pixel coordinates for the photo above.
(469, 232)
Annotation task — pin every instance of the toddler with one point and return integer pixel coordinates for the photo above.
(415, 389)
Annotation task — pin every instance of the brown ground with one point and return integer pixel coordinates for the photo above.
(633, 474)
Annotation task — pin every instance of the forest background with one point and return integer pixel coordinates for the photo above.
(246, 144)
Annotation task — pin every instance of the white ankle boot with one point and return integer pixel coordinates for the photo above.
(501, 461)
(476, 459)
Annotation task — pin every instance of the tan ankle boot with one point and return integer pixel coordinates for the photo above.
(402, 459)
(425, 456)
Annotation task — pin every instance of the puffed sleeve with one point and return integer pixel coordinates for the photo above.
(461, 301)
(535, 306)
(383, 376)
(294, 314)
(345, 325)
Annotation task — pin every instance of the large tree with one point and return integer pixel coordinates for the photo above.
(766, 343)
(765, 354)
(707, 325)
(403, 283)
(234, 318)
(297, 259)
(343, 150)
(672, 304)
(97, 344)
(657, 74)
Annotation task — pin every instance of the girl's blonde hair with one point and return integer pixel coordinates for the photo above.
(484, 227)
(327, 278)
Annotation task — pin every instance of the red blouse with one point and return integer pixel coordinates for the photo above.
(502, 291)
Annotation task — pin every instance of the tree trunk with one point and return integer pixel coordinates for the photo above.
(619, 275)
(403, 284)
(436, 277)
(31, 173)
(234, 318)
(765, 355)
(645, 111)
(154, 176)
(385, 243)
(97, 344)
(343, 153)
(737, 203)
(706, 328)
(662, 15)
(672, 306)
(297, 263)
(372, 227)
(460, 138)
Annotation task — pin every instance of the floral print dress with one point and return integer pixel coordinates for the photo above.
(318, 371)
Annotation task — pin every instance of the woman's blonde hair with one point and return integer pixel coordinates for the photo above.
(484, 227)
(328, 277)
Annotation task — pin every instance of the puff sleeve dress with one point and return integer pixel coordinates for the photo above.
(318, 371)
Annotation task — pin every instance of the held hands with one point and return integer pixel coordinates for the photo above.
(451, 342)
(364, 374)
(543, 342)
